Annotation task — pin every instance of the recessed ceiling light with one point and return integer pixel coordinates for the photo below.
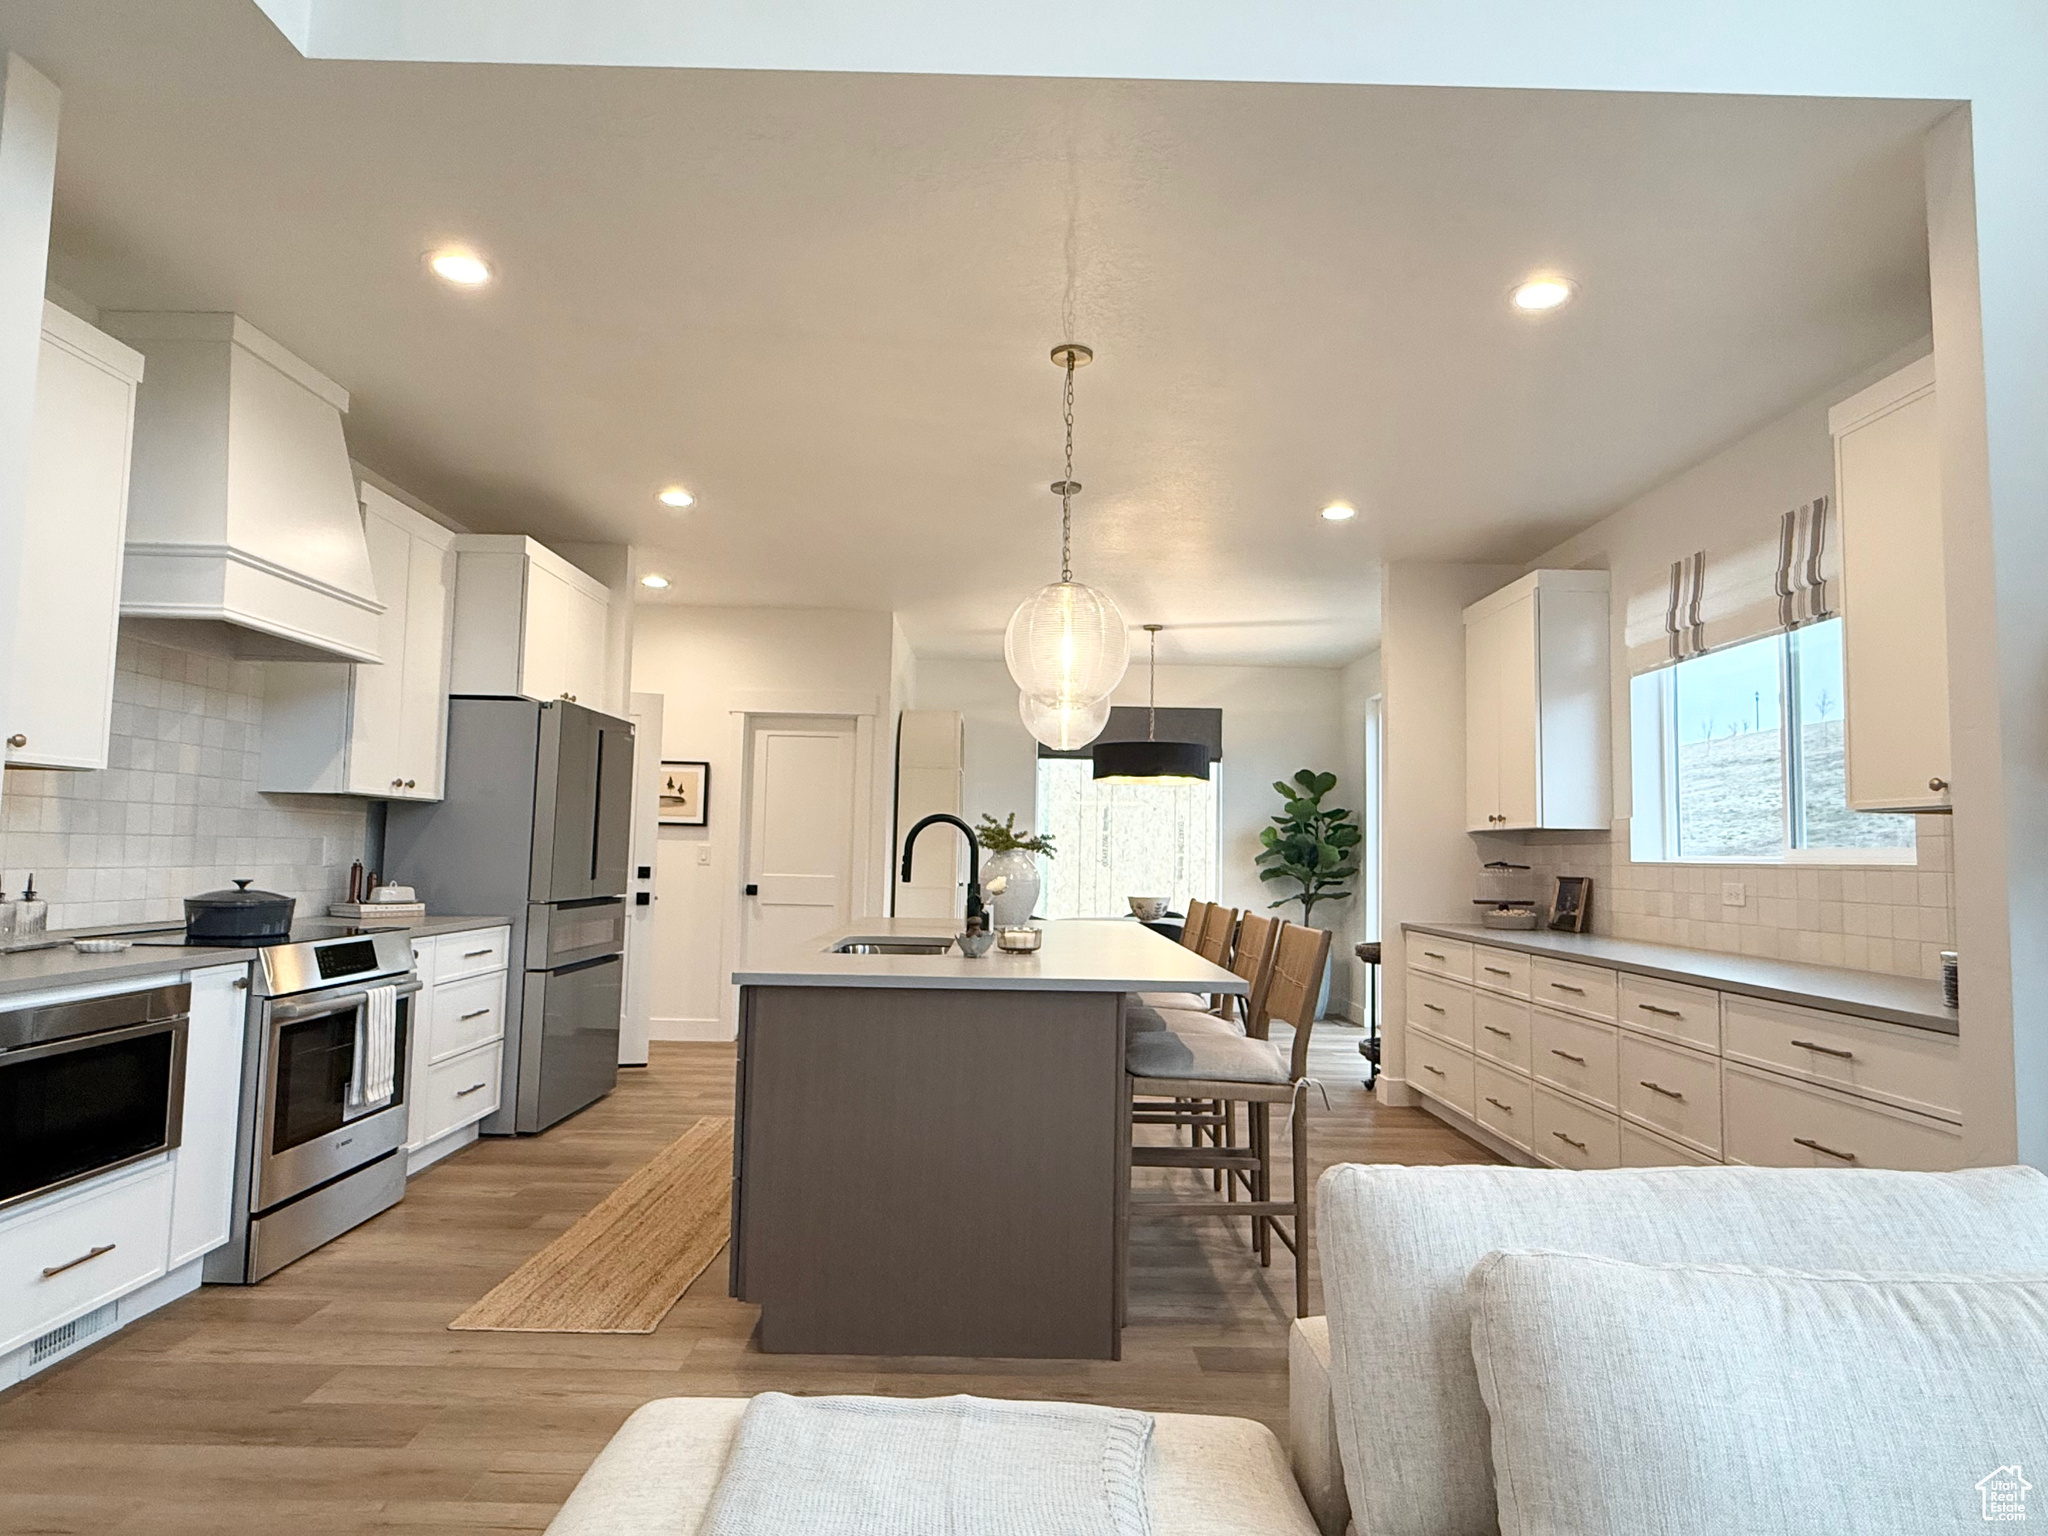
(675, 496)
(1339, 512)
(462, 268)
(658, 583)
(1541, 293)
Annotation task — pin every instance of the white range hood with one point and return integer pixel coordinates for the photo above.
(242, 513)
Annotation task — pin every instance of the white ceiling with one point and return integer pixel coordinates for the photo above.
(824, 302)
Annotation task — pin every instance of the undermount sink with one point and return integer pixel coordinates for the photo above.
(891, 945)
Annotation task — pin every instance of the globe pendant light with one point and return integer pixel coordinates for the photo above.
(1151, 761)
(1067, 645)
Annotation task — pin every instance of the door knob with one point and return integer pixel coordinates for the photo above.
(1937, 785)
(17, 740)
(753, 890)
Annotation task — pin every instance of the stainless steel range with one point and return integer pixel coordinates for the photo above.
(323, 1117)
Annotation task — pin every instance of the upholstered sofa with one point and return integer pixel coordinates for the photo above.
(1388, 1427)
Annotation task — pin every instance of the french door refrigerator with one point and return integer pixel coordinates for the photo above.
(535, 825)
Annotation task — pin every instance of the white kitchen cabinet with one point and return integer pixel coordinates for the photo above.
(72, 546)
(930, 773)
(456, 1042)
(528, 624)
(1537, 690)
(203, 1167)
(1894, 613)
(377, 730)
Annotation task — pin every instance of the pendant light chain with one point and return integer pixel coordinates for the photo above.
(1152, 685)
(1067, 484)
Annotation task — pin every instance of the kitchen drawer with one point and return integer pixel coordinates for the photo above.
(1576, 1055)
(457, 955)
(1574, 1135)
(1776, 1122)
(1673, 1091)
(1441, 1071)
(452, 1093)
(463, 1015)
(120, 1229)
(1445, 957)
(1646, 1149)
(1503, 970)
(1913, 1069)
(1501, 1029)
(1504, 1103)
(1576, 988)
(1672, 1010)
(1442, 1007)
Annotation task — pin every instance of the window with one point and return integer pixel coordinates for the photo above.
(1116, 841)
(1739, 756)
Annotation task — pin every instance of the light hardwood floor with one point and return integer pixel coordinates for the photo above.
(333, 1399)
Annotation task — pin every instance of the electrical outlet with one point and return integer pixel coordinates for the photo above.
(1734, 894)
(703, 853)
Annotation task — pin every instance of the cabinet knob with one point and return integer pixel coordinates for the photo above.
(17, 740)
(1937, 785)
(398, 783)
(408, 783)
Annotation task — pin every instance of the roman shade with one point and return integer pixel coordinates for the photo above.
(1132, 723)
(1708, 599)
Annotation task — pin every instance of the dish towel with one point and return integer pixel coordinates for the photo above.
(948, 1466)
(376, 1070)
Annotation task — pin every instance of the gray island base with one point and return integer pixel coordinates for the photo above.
(931, 1154)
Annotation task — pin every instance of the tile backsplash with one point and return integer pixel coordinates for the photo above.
(1863, 917)
(176, 811)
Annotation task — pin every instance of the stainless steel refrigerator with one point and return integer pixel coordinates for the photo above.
(535, 825)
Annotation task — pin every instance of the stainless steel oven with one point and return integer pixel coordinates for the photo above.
(324, 1106)
(90, 1086)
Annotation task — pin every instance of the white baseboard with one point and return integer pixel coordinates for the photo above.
(1394, 1092)
(688, 1029)
(430, 1153)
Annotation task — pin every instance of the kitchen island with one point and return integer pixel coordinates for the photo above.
(931, 1154)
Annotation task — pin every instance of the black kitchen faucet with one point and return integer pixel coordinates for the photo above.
(974, 911)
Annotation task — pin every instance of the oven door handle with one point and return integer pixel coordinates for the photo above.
(284, 1013)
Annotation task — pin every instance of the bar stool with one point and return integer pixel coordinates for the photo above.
(1369, 1047)
(1206, 1066)
(1208, 933)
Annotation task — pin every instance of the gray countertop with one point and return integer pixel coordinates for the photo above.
(46, 970)
(1078, 955)
(1867, 994)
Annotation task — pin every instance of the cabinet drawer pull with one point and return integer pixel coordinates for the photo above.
(474, 1013)
(1568, 1056)
(1937, 785)
(1506, 1109)
(463, 1093)
(476, 954)
(1825, 1050)
(17, 740)
(1565, 986)
(1808, 1141)
(1505, 1034)
(84, 1258)
(1496, 970)
(1430, 954)
(1669, 1093)
(1665, 1013)
(1439, 1071)
(1434, 1007)
(1560, 1135)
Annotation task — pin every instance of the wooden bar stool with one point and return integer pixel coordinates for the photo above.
(1209, 1066)
(1208, 933)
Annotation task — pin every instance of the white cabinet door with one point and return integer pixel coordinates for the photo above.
(423, 684)
(203, 1190)
(549, 634)
(1518, 733)
(1894, 615)
(377, 699)
(588, 620)
(1482, 725)
(72, 547)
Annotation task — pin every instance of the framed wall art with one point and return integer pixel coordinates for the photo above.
(1572, 906)
(685, 794)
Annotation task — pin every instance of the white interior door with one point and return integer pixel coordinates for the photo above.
(636, 1021)
(800, 817)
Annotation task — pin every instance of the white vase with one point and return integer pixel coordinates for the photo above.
(1012, 906)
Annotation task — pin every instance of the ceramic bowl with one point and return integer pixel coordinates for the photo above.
(1147, 909)
(974, 945)
(1020, 940)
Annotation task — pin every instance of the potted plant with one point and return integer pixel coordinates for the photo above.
(1009, 877)
(1315, 848)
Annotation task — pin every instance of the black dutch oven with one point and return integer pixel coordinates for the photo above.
(240, 916)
